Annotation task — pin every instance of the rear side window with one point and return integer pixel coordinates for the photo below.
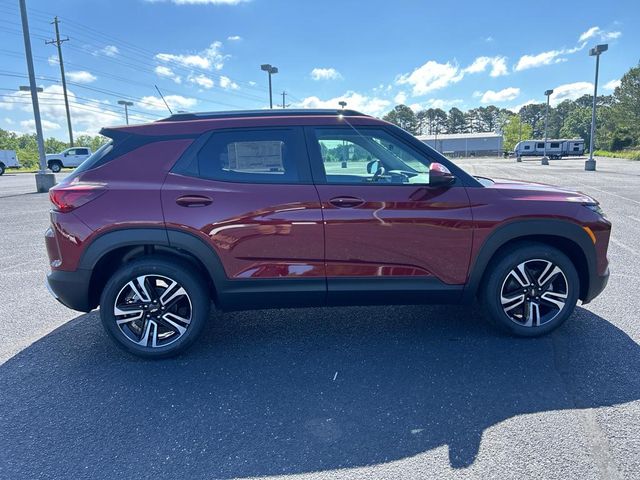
(555, 145)
(94, 160)
(540, 145)
(253, 156)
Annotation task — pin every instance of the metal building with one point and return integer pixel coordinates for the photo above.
(466, 144)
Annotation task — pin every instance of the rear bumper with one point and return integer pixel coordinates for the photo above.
(597, 284)
(71, 288)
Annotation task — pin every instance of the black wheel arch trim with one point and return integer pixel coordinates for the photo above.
(527, 230)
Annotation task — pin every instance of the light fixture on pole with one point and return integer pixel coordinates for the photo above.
(271, 70)
(342, 104)
(126, 109)
(545, 159)
(27, 88)
(590, 164)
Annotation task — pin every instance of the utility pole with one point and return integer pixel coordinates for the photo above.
(44, 180)
(58, 43)
(284, 94)
(126, 109)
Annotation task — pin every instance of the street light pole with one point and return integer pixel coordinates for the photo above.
(271, 70)
(590, 164)
(126, 109)
(44, 180)
(545, 159)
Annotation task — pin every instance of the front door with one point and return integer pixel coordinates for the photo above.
(389, 235)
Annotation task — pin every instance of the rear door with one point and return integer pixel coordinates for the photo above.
(248, 194)
(389, 235)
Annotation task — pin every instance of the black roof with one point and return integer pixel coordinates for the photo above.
(289, 112)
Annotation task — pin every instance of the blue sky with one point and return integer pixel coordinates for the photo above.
(206, 55)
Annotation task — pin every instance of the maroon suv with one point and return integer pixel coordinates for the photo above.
(299, 208)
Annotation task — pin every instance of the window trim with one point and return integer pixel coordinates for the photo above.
(317, 162)
(187, 164)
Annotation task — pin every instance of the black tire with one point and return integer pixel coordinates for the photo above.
(197, 302)
(2, 169)
(500, 278)
(55, 166)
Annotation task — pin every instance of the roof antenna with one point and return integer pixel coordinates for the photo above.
(165, 102)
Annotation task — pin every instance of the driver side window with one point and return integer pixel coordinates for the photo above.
(369, 156)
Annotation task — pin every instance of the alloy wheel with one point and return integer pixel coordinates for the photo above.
(534, 293)
(153, 311)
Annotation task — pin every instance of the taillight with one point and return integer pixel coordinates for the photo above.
(69, 197)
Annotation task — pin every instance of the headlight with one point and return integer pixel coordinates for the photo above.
(595, 207)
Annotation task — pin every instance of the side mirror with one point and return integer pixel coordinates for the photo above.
(440, 176)
(373, 166)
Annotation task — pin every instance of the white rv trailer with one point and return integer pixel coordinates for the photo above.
(556, 148)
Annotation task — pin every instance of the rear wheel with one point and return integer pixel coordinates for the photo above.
(155, 307)
(2, 168)
(531, 290)
(55, 166)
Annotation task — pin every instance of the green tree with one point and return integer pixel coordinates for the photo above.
(456, 121)
(514, 131)
(534, 116)
(403, 117)
(627, 104)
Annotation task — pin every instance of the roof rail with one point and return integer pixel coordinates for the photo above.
(292, 112)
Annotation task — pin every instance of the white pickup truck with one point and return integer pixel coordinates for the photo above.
(71, 157)
(8, 159)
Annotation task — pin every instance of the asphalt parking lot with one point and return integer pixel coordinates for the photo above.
(376, 392)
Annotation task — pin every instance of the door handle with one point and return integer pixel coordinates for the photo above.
(346, 202)
(193, 201)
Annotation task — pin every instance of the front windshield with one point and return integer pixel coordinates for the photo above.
(369, 155)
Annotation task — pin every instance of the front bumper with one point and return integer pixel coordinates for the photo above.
(71, 288)
(597, 284)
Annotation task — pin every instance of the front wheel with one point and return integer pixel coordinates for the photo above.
(2, 169)
(531, 290)
(155, 307)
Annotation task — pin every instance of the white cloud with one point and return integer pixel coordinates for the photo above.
(498, 66)
(570, 91)
(611, 85)
(8, 121)
(227, 83)
(489, 39)
(597, 32)
(540, 59)
(52, 60)
(442, 103)
(208, 59)
(166, 72)
(504, 95)
(201, 2)
(110, 50)
(325, 74)
(516, 108)
(234, 38)
(176, 102)
(355, 101)
(400, 98)
(81, 76)
(202, 80)
(30, 125)
(252, 83)
(431, 76)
